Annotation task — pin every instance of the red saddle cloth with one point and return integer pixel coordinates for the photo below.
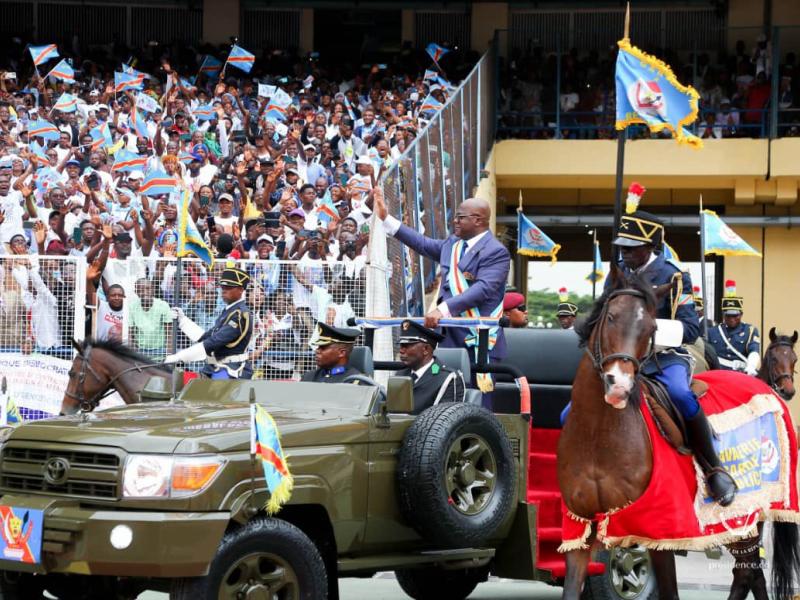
(757, 444)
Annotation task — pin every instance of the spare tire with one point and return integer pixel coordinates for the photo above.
(456, 475)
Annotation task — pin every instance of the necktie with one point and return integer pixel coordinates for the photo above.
(463, 250)
(414, 377)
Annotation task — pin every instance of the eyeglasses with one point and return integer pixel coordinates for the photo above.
(462, 217)
(522, 308)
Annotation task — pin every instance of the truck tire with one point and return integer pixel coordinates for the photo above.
(440, 584)
(266, 557)
(456, 475)
(20, 586)
(629, 576)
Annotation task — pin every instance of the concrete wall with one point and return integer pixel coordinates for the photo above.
(486, 18)
(221, 20)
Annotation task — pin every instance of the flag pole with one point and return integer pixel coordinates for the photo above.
(621, 135)
(594, 269)
(704, 322)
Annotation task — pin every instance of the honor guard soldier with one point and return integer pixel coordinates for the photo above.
(566, 312)
(737, 344)
(433, 381)
(640, 239)
(515, 309)
(333, 348)
(224, 347)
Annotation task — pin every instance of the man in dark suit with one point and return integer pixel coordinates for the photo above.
(474, 270)
(332, 354)
(433, 381)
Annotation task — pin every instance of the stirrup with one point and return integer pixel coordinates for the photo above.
(724, 491)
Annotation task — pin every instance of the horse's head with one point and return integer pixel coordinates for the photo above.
(87, 381)
(779, 363)
(618, 335)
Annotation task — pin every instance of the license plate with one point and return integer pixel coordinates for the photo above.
(21, 534)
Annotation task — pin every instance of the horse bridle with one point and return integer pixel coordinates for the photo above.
(773, 380)
(88, 405)
(596, 353)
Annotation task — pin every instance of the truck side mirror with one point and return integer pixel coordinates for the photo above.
(399, 395)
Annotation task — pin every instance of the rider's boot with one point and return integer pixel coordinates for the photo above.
(721, 485)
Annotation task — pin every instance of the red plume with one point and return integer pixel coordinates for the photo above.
(637, 189)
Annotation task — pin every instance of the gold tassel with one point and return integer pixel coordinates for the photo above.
(281, 495)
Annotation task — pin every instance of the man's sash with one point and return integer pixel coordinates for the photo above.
(458, 285)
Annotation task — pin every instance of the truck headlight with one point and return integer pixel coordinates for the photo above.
(155, 476)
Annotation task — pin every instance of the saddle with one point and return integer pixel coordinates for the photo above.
(667, 417)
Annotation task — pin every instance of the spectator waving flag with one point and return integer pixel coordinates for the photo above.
(266, 446)
(204, 112)
(66, 103)
(156, 183)
(43, 129)
(721, 239)
(532, 241)
(63, 71)
(435, 51)
(126, 161)
(241, 59)
(41, 54)
(38, 155)
(326, 210)
(649, 93)
(430, 104)
(597, 265)
(190, 242)
(124, 82)
(101, 137)
(210, 66)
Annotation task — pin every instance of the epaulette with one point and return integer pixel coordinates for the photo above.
(676, 264)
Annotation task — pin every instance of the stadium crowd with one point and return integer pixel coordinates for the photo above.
(274, 161)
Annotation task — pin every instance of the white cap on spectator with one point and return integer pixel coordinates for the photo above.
(94, 93)
(363, 160)
(103, 106)
(227, 197)
(135, 175)
(309, 147)
(292, 170)
(6, 162)
(265, 238)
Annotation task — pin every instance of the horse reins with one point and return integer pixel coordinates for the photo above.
(108, 389)
(774, 380)
(596, 354)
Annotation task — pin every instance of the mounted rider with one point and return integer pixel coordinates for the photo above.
(566, 311)
(640, 239)
(737, 344)
(224, 347)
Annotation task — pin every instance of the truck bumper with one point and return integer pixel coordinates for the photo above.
(77, 540)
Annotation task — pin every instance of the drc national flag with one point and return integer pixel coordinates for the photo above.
(41, 54)
(66, 103)
(126, 161)
(241, 59)
(266, 446)
(138, 123)
(190, 242)
(63, 71)
(46, 177)
(597, 265)
(430, 104)
(101, 137)
(649, 93)
(210, 66)
(43, 129)
(326, 210)
(721, 239)
(38, 155)
(532, 241)
(157, 183)
(204, 112)
(435, 51)
(124, 82)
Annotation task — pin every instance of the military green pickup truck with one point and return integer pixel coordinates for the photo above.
(164, 495)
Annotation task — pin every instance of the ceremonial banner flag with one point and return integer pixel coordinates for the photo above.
(147, 103)
(156, 183)
(266, 446)
(210, 66)
(41, 54)
(66, 103)
(648, 93)
(190, 242)
(126, 161)
(597, 265)
(101, 136)
(43, 129)
(721, 239)
(430, 104)
(124, 82)
(241, 59)
(435, 51)
(63, 71)
(532, 241)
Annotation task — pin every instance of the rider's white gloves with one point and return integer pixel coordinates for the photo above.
(752, 364)
(189, 328)
(196, 352)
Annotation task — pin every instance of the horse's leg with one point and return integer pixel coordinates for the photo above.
(664, 569)
(577, 568)
(747, 573)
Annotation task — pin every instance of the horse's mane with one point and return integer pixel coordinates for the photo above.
(585, 327)
(121, 350)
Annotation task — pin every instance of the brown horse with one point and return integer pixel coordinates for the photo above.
(101, 367)
(605, 457)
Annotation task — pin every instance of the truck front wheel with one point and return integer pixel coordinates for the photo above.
(440, 584)
(266, 558)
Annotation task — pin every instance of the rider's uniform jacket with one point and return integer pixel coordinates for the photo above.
(677, 304)
(741, 341)
(226, 343)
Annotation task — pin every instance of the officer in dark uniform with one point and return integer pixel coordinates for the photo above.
(737, 344)
(332, 355)
(224, 347)
(566, 312)
(433, 381)
(640, 239)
